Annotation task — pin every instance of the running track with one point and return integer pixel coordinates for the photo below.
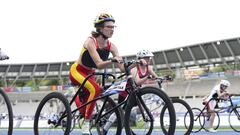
(28, 132)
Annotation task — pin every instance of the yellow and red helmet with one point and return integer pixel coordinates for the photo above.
(103, 17)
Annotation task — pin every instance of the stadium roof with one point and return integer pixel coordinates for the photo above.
(216, 52)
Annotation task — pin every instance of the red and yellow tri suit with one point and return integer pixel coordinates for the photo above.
(78, 73)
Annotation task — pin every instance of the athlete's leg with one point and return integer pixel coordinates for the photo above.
(77, 75)
(82, 99)
(211, 106)
(94, 91)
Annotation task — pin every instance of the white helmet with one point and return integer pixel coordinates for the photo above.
(225, 83)
(144, 53)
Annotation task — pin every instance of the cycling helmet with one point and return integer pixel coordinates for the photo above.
(225, 83)
(144, 54)
(103, 17)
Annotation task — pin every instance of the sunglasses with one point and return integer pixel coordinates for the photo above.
(110, 26)
(224, 86)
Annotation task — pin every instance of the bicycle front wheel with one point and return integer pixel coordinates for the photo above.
(216, 121)
(144, 111)
(184, 117)
(234, 119)
(48, 120)
(6, 114)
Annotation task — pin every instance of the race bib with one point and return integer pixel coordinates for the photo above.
(118, 86)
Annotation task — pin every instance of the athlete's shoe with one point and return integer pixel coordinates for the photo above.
(86, 128)
(212, 130)
(207, 124)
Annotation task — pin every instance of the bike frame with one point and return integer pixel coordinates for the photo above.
(131, 98)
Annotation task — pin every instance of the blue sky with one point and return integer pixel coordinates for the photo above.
(54, 30)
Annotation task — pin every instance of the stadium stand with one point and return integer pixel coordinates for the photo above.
(226, 52)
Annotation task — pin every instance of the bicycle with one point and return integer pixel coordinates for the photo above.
(62, 116)
(154, 104)
(202, 115)
(182, 110)
(103, 111)
(6, 113)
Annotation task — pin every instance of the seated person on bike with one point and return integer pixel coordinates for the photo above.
(141, 72)
(94, 55)
(218, 91)
(3, 56)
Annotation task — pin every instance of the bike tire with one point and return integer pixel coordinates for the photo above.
(9, 112)
(234, 119)
(176, 102)
(52, 98)
(140, 95)
(216, 122)
(199, 120)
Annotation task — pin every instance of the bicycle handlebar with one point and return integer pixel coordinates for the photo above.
(126, 62)
(167, 78)
(230, 95)
(161, 79)
(127, 68)
(234, 95)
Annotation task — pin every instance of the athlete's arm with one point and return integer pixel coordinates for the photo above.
(223, 94)
(115, 54)
(151, 72)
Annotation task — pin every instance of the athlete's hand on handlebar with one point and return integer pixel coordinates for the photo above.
(117, 59)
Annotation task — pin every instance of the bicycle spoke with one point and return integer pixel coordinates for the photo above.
(48, 116)
(198, 120)
(144, 118)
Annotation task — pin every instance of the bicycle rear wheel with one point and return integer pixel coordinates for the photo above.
(198, 120)
(234, 119)
(184, 117)
(6, 114)
(110, 124)
(147, 113)
(47, 117)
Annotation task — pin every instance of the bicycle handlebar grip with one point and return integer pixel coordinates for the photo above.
(113, 60)
(168, 77)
